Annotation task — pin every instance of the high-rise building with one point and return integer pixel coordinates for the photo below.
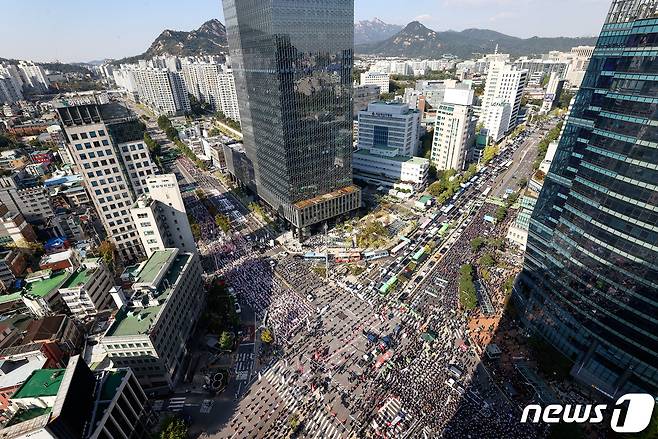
(150, 332)
(33, 76)
(212, 83)
(161, 89)
(107, 142)
(295, 93)
(591, 275)
(161, 218)
(454, 132)
(502, 97)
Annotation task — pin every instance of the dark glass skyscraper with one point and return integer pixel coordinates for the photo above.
(590, 284)
(292, 61)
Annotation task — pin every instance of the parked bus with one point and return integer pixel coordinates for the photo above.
(487, 191)
(347, 257)
(399, 247)
(311, 256)
(447, 209)
(375, 254)
(425, 223)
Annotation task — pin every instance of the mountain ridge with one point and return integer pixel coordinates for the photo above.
(417, 40)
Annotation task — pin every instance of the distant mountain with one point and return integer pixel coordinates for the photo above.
(209, 39)
(416, 40)
(374, 31)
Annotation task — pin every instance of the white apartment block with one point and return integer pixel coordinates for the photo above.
(159, 88)
(33, 75)
(213, 83)
(107, 145)
(161, 218)
(454, 132)
(150, 332)
(87, 291)
(504, 85)
(377, 78)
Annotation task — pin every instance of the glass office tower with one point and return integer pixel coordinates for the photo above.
(590, 283)
(292, 61)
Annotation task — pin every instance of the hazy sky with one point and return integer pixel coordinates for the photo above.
(77, 30)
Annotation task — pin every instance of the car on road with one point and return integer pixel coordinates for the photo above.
(310, 297)
(238, 310)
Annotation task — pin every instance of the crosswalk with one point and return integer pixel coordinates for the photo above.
(176, 404)
(391, 419)
(243, 366)
(319, 425)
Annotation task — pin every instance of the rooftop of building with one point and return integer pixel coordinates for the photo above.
(79, 278)
(139, 320)
(398, 158)
(44, 287)
(391, 108)
(56, 257)
(42, 382)
(112, 382)
(24, 415)
(17, 371)
(326, 197)
(6, 298)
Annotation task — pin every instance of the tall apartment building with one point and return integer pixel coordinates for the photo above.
(33, 75)
(107, 143)
(454, 132)
(76, 403)
(380, 79)
(296, 106)
(161, 218)
(212, 83)
(9, 93)
(160, 89)
(502, 95)
(149, 334)
(590, 277)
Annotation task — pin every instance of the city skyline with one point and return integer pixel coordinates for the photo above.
(131, 34)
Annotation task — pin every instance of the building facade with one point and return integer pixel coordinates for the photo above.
(150, 332)
(454, 131)
(212, 83)
(108, 147)
(295, 93)
(380, 79)
(504, 88)
(161, 218)
(590, 278)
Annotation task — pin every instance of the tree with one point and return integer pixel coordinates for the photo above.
(467, 295)
(107, 251)
(163, 122)
(223, 222)
(487, 260)
(266, 336)
(196, 231)
(489, 153)
(565, 99)
(214, 132)
(226, 340)
(171, 133)
(477, 243)
(173, 428)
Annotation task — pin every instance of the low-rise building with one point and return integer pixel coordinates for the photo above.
(380, 79)
(12, 264)
(372, 166)
(87, 291)
(150, 332)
